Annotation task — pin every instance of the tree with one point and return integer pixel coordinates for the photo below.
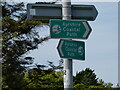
(101, 82)
(43, 79)
(19, 37)
(108, 85)
(49, 78)
(54, 67)
(86, 77)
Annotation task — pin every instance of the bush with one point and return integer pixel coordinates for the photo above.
(79, 86)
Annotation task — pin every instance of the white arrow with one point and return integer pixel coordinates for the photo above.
(60, 48)
(87, 29)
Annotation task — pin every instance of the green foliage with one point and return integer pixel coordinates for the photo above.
(86, 77)
(108, 85)
(54, 67)
(96, 87)
(79, 86)
(12, 10)
(91, 87)
(19, 37)
(101, 82)
(86, 80)
(45, 79)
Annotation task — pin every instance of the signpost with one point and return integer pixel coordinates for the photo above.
(71, 49)
(69, 29)
(54, 11)
(66, 28)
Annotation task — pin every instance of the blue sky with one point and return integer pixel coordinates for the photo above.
(101, 46)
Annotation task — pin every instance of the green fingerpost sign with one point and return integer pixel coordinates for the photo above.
(71, 49)
(69, 29)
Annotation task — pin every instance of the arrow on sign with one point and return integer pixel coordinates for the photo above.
(60, 48)
(71, 49)
(87, 29)
(69, 29)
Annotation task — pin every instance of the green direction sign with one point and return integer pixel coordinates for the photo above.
(69, 29)
(71, 49)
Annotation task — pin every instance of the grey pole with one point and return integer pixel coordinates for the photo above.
(68, 73)
(118, 44)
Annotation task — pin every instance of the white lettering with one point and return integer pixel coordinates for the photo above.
(73, 29)
(66, 24)
(71, 44)
(71, 34)
(70, 49)
(71, 54)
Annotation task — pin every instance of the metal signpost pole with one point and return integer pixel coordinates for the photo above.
(119, 44)
(68, 73)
